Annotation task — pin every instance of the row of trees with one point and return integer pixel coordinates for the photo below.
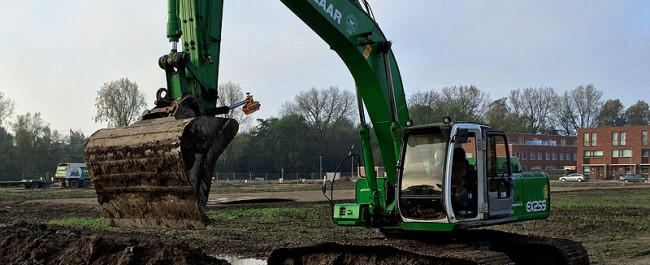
(315, 124)
(528, 110)
(34, 149)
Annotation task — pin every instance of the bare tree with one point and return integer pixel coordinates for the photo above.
(430, 98)
(464, 103)
(230, 93)
(119, 103)
(535, 106)
(6, 107)
(499, 115)
(563, 116)
(324, 110)
(461, 103)
(579, 108)
(424, 107)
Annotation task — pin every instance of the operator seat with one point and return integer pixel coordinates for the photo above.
(460, 165)
(463, 194)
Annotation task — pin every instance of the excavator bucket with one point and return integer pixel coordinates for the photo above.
(157, 172)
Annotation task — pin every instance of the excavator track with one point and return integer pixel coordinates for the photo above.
(340, 254)
(529, 249)
(466, 247)
(157, 173)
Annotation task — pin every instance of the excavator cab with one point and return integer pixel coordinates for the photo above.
(454, 175)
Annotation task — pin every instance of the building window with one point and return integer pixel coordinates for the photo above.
(586, 170)
(563, 142)
(521, 140)
(516, 154)
(623, 138)
(532, 155)
(644, 137)
(561, 156)
(554, 156)
(575, 157)
(539, 155)
(585, 139)
(548, 156)
(626, 153)
(614, 138)
(523, 156)
(594, 136)
(621, 153)
(575, 142)
(592, 154)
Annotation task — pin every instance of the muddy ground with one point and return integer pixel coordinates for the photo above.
(64, 226)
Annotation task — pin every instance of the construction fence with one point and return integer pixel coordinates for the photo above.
(266, 176)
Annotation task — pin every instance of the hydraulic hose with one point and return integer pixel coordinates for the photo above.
(337, 170)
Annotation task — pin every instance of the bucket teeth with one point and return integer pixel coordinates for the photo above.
(157, 173)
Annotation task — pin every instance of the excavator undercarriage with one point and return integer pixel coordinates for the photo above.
(471, 247)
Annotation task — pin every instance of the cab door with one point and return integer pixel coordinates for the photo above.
(499, 181)
(463, 184)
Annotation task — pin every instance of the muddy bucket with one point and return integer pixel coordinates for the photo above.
(157, 173)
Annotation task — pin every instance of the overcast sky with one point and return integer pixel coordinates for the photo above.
(57, 54)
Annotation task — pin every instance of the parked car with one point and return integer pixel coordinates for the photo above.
(633, 178)
(579, 177)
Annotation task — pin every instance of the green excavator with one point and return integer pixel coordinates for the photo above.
(440, 178)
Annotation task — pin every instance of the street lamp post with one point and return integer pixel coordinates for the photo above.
(320, 170)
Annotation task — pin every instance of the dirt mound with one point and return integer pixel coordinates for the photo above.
(39, 244)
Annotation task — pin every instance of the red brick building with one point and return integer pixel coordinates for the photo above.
(539, 152)
(607, 153)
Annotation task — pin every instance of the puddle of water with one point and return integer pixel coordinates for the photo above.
(245, 200)
(234, 260)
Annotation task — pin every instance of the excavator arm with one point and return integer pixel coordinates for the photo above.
(355, 36)
(196, 26)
